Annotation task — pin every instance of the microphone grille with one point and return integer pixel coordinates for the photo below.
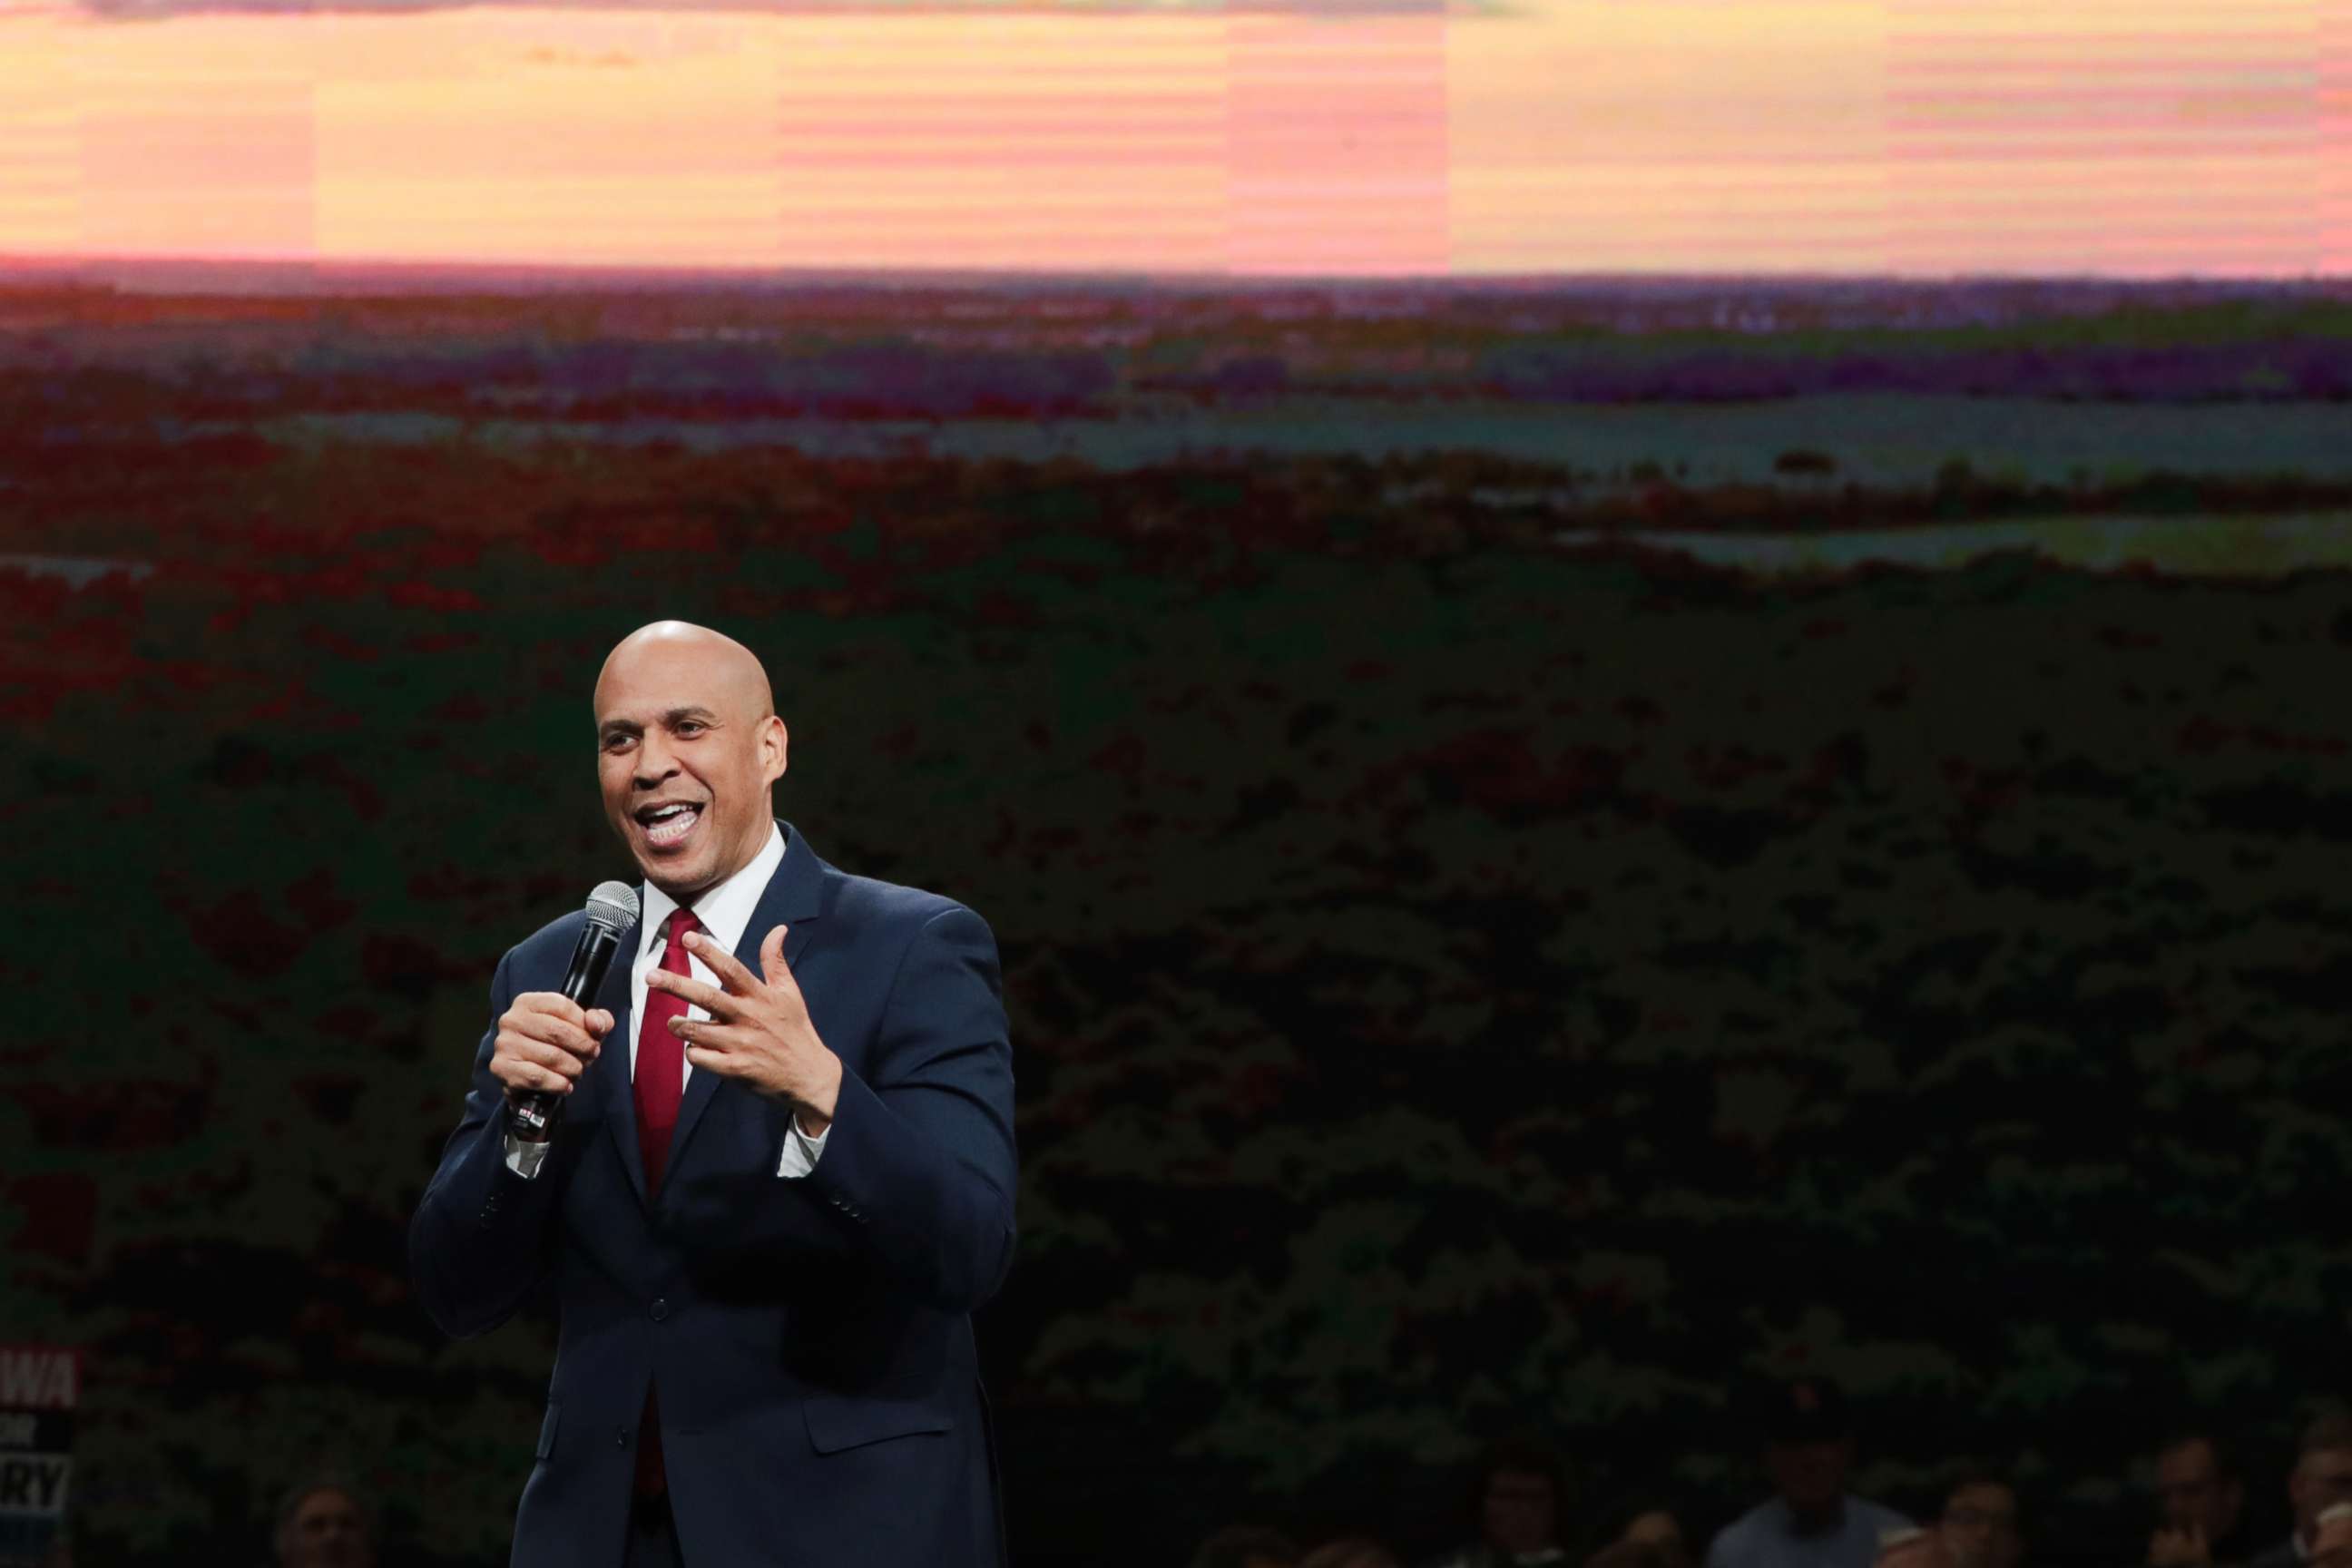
(614, 905)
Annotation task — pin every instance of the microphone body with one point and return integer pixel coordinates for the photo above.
(612, 909)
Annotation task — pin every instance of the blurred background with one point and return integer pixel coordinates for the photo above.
(1649, 699)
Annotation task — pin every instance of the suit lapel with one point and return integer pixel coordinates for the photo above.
(621, 1107)
(792, 898)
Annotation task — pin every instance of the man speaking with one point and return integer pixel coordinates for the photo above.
(777, 1178)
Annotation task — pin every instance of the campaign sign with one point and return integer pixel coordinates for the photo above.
(39, 1386)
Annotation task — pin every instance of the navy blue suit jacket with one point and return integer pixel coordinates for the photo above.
(811, 1338)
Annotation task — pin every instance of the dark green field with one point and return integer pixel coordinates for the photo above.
(1467, 966)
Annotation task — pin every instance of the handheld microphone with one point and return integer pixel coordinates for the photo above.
(612, 909)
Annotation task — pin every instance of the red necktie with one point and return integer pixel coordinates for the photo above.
(657, 1084)
(661, 1058)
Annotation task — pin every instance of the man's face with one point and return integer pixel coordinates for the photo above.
(2319, 1480)
(2193, 1495)
(1518, 1511)
(1979, 1526)
(1809, 1476)
(325, 1532)
(685, 757)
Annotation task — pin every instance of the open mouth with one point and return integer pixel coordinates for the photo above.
(668, 825)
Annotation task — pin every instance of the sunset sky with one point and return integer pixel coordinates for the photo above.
(1303, 136)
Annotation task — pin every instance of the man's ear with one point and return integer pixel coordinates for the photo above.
(776, 741)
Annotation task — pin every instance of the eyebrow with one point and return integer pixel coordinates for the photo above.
(669, 719)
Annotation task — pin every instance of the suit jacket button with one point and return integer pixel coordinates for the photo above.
(621, 1438)
(660, 1308)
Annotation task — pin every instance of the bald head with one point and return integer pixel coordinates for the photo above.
(688, 749)
(731, 669)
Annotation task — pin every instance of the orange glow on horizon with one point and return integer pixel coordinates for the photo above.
(1854, 136)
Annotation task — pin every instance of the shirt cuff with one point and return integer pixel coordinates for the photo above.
(525, 1159)
(801, 1151)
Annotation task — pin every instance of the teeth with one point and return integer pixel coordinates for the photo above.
(667, 812)
(670, 826)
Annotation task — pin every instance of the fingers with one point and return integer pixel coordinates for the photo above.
(709, 1035)
(734, 979)
(720, 1047)
(772, 964)
(695, 992)
(544, 1042)
(723, 963)
(522, 1063)
(566, 1034)
(704, 1058)
(551, 1004)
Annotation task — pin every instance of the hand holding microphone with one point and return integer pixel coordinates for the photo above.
(547, 1039)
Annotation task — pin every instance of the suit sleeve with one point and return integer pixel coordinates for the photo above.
(919, 1157)
(478, 1242)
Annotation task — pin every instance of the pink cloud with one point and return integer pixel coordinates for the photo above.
(153, 10)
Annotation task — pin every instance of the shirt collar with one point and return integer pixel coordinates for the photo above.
(725, 909)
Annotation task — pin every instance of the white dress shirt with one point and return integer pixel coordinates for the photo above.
(723, 911)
